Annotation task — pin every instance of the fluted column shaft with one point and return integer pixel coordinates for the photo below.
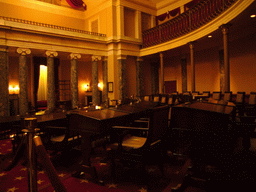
(74, 79)
(95, 81)
(4, 79)
(139, 77)
(193, 85)
(122, 78)
(161, 91)
(23, 75)
(225, 32)
(51, 97)
(105, 79)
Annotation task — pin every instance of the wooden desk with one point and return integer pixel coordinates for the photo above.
(96, 124)
(205, 133)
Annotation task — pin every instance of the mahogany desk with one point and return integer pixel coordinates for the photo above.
(205, 132)
(97, 124)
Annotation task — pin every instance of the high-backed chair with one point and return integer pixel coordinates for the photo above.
(146, 98)
(163, 99)
(240, 100)
(58, 139)
(216, 95)
(250, 107)
(156, 98)
(142, 150)
(227, 96)
(195, 92)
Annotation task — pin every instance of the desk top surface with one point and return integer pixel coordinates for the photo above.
(209, 107)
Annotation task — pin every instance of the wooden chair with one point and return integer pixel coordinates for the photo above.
(216, 95)
(163, 99)
(156, 98)
(250, 107)
(142, 149)
(240, 100)
(227, 96)
(58, 139)
(146, 98)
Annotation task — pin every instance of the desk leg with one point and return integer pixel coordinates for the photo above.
(85, 164)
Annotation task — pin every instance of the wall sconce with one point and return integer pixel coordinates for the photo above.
(14, 89)
(86, 87)
(100, 86)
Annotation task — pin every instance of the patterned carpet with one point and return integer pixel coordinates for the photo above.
(129, 180)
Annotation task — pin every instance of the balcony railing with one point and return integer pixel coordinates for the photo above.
(196, 17)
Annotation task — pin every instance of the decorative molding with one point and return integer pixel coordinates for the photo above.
(50, 26)
(96, 58)
(119, 57)
(51, 53)
(23, 51)
(75, 56)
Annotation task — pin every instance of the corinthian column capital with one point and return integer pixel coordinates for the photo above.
(23, 51)
(75, 56)
(51, 53)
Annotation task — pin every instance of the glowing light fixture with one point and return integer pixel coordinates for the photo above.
(14, 89)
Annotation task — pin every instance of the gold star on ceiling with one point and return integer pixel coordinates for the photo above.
(41, 172)
(23, 169)
(40, 181)
(19, 178)
(12, 189)
(143, 190)
(84, 181)
(2, 174)
(112, 185)
(62, 175)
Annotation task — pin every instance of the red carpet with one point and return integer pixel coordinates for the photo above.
(15, 180)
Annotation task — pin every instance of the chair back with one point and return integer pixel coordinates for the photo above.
(227, 96)
(156, 98)
(146, 98)
(163, 99)
(252, 98)
(216, 95)
(195, 92)
(240, 97)
(158, 124)
(170, 100)
(206, 93)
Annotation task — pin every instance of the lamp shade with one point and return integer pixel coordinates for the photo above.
(76, 4)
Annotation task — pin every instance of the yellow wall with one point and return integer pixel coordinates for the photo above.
(49, 14)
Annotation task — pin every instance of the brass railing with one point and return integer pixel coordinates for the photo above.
(194, 18)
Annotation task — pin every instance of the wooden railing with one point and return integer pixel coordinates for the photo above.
(196, 17)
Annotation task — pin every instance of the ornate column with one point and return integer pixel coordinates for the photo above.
(191, 46)
(139, 77)
(23, 76)
(51, 97)
(161, 90)
(4, 80)
(74, 79)
(184, 74)
(105, 79)
(95, 89)
(225, 32)
(122, 77)
(154, 77)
